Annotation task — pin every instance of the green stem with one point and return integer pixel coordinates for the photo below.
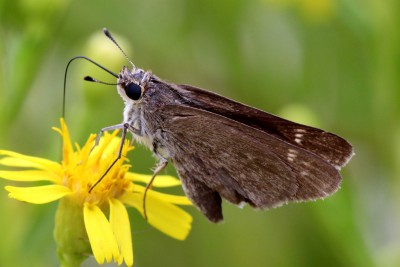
(73, 246)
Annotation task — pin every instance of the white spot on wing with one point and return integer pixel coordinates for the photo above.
(304, 173)
(305, 163)
(291, 155)
(298, 136)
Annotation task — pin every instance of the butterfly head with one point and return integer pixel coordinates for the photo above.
(131, 84)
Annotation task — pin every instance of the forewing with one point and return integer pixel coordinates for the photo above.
(328, 146)
(216, 156)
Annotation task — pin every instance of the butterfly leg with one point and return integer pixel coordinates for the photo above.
(125, 127)
(109, 128)
(159, 167)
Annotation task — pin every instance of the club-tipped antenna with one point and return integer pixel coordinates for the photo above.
(93, 80)
(108, 34)
(66, 72)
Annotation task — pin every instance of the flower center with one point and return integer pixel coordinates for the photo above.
(85, 167)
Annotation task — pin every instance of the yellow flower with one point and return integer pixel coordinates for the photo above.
(82, 224)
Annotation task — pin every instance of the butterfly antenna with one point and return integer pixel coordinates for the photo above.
(108, 34)
(87, 79)
(91, 79)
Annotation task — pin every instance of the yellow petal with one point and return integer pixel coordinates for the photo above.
(67, 144)
(20, 160)
(162, 215)
(159, 181)
(108, 146)
(112, 143)
(30, 176)
(119, 221)
(38, 194)
(101, 237)
(173, 199)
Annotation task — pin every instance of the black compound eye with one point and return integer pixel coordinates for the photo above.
(133, 91)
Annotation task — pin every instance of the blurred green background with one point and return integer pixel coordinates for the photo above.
(331, 64)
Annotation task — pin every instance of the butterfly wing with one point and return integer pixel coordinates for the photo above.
(216, 157)
(328, 146)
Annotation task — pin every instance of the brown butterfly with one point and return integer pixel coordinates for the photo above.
(225, 149)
